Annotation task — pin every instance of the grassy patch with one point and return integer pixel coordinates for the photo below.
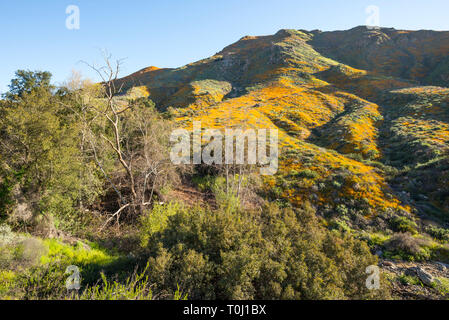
(409, 280)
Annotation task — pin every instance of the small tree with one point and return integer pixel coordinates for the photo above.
(26, 81)
(135, 136)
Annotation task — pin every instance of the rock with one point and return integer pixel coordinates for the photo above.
(379, 253)
(388, 264)
(441, 266)
(423, 197)
(424, 276)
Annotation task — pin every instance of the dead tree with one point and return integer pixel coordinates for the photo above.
(135, 138)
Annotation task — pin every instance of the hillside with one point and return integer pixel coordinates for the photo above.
(354, 116)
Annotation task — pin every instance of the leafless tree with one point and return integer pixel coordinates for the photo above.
(138, 139)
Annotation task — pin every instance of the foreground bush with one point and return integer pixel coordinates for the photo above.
(273, 254)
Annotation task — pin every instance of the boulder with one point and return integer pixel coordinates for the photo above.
(423, 275)
(388, 263)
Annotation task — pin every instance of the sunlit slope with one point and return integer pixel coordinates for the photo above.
(234, 71)
(333, 118)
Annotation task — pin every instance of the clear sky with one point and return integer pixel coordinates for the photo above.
(172, 33)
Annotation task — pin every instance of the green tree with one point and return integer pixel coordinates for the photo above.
(27, 81)
(40, 156)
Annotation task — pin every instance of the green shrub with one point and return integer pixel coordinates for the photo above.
(406, 247)
(156, 220)
(441, 285)
(438, 233)
(307, 174)
(339, 225)
(42, 283)
(403, 224)
(376, 239)
(226, 200)
(409, 280)
(273, 254)
(204, 183)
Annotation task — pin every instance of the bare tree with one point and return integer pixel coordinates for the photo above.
(136, 136)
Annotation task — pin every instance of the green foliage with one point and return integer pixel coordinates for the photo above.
(204, 183)
(226, 198)
(438, 233)
(156, 219)
(403, 246)
(41, 159)
(136, 287)
(339, 225)
(441, 285)
(42, 283)
(409, 280)
(307, 174)
(376, 239)
(79, 254)
(403, 224)
(39, 270)
(90, 258)
(6, 201)
(275, 254)
(27, 81)
(7, 284)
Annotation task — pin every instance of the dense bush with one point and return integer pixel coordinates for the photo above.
(405, 246)
(403, 224)
(273, 254)
(438, 233)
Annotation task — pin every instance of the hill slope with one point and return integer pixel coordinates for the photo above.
(361, 139)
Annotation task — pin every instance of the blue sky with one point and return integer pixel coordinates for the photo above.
(173, 33)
